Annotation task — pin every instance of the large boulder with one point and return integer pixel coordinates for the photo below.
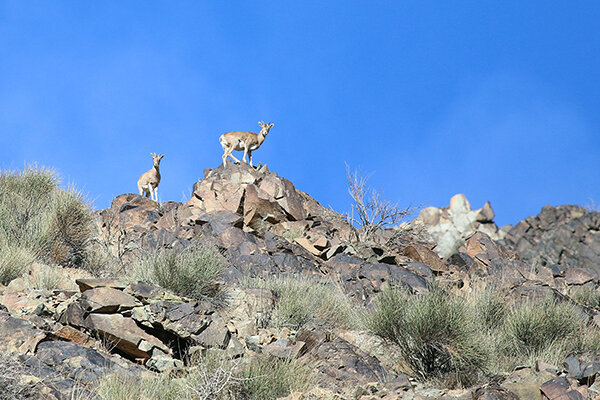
(450, 226)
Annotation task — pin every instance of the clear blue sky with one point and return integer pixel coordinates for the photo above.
(495, 99)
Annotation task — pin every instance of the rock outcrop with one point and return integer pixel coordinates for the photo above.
(450, 226)
(264, 227)
(568, 236)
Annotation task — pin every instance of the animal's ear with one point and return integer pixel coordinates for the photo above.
(152, 155)
(161, 156)
(271, 125)
(261, 124)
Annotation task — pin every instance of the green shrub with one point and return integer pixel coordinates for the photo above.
(301, 300)
(13, 262)
(588, 296)
(191, 272)
(119, 386)
(488, 307)
(437, 335)
(547, 330)
(38, 217)
(45, 278)
(267, 378)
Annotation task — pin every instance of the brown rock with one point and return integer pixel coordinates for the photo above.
(106, 300)
(90, 283)
(283, 348)
(320, 242)
(485, 214)
(215, 335)
(259, 210)
(304, 242)
(124, 333)
(426, 256)
(73, 335)
(555, 388)
(578, 276)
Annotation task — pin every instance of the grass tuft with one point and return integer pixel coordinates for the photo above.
(267, 378)
(41, 221)
(302, 300)
(192, 272)
(436, 334)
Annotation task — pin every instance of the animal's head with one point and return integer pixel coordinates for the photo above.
(156, 158)
(265, 127)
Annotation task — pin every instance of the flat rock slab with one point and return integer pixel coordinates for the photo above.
(422, 254)
(71, 334)
(125, 334)
(283, 348)
(555, 388)
(87, 284)
(106, 300)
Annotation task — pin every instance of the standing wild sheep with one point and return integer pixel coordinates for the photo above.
(243, 141)
(148, 182)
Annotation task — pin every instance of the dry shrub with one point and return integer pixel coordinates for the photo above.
(436, 334)
(41, 220)
(192, 272)
(301, 300)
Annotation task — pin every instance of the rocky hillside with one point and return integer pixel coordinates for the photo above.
(294, 288)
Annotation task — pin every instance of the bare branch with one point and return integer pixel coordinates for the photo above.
(369, 212)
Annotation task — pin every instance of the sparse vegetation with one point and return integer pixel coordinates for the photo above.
(267, 378)
(587, 296)
(45, 278)
(192, 272)
(11, 386)
(369, 212)
(291, 234)
(212, 377)
(127, 387)
(450, 339)
(546, 330)
(436, 334)
(40, 221)
(300, 300)
(489, 308)
(13, 262)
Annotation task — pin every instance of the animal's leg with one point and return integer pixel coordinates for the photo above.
(140, 190)
(229, 153)
(250, 158)
(156, 194)
(245, 153)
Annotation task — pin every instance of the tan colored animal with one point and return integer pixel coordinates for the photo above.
(148, 182)
(243, 141)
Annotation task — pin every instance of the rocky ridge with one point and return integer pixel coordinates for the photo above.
(263, 226)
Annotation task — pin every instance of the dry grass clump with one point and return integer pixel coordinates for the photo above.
(546, 330)
(588, 296)
(454, 340)
(118, 386)
(14, 261)
(300, 300)
(267, 378)
(192, 272)
(436, 334)
(40, 221)
(212, 377)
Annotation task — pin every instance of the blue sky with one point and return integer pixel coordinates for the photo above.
(498, 99)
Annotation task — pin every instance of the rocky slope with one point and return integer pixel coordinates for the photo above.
(263, 226)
